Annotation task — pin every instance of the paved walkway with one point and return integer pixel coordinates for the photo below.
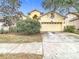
(60, 46)
(32, 48)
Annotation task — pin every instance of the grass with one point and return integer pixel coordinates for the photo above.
(20, 56)
(75, 36)
(77, 32)
(15, 38)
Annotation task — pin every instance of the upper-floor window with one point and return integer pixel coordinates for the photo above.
(35, 17)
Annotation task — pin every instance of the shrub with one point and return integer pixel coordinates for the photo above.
(70, 29)
(12, 29)
(28, 26)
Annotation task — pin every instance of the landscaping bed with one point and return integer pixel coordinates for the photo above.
(20, 56)
(16, 38)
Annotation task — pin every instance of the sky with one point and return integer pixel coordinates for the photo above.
(29, 5)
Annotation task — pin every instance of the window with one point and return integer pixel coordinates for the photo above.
(51, 23)
(35, 17)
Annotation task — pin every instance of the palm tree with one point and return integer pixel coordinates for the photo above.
(55, 4)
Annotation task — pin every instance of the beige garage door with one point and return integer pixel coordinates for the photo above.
(51, 27)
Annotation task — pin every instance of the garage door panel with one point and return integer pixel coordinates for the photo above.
(51, 27)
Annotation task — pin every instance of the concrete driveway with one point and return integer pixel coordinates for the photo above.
(15, 48)
(60, 46)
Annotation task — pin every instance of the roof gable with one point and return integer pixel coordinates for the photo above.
(51, 16)
(52, 13)
(35, 11)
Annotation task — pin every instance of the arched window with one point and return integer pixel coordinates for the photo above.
(35, 17)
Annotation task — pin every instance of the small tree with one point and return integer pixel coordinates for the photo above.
(28, 26)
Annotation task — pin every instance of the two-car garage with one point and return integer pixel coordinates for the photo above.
(51, 22)
(51, 26)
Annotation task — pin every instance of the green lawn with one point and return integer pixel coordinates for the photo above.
(20, 56)
(75, 36)
(15, 38)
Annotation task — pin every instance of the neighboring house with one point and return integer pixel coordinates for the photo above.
(5, 24)
(20, 15)
(9, 21)
(2, 24)
(72, 20)
(51, 21)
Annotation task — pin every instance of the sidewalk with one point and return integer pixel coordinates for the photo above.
(31, 48)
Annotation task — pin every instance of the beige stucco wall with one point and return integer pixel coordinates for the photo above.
(68, 23)
(56, 18)
(52, 27)
(76, 23)
(24, 17)
(34, 13)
